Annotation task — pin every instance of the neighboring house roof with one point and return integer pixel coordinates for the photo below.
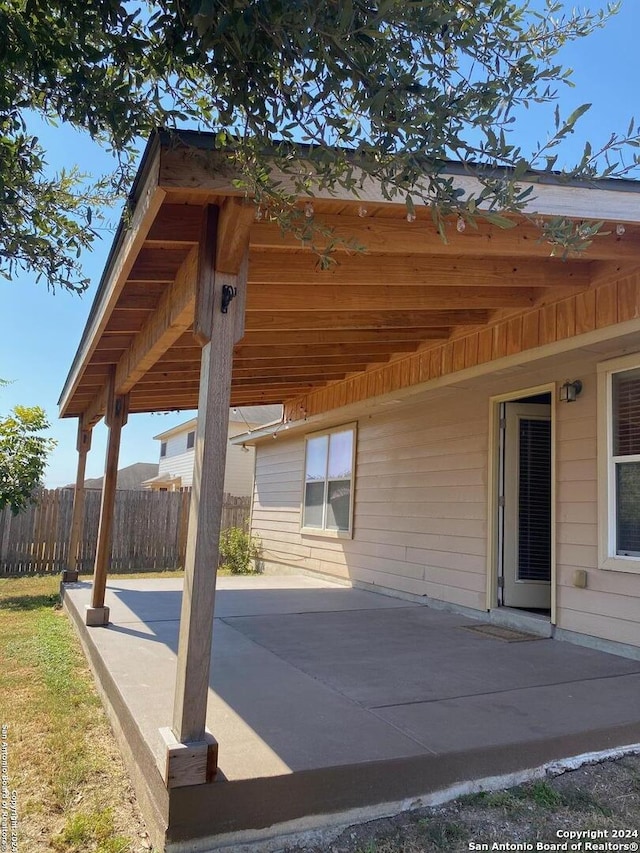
(169, 479)
(249, 415)
(130, 478)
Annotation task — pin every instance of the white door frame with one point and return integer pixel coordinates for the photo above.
(493, 537)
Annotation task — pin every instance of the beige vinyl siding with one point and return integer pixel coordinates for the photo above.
(178, 465)
(420, 505)
(610, 605)
(238, 476)
(176, 445)
(420, 517)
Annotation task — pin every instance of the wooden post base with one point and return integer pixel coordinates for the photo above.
(96, 616)
(69, 576)
(194, 763)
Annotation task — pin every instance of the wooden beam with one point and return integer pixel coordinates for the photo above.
(314, 337)
(280, 298)
(184, 379)
(187, 169)
(236, 217)
(300, 352)
(264, 320)
(97, 370)
(111, 341)
(301, 269)
(129, 321)
(105, 356)
(605, 271)
(175, 222)
(83, 446)
(171, 370)
(218, 225)
(116, 418)
(158, 263)
(279, 380)
(246, 399)
(388, 236)
(171, 390)
(205, 280)
(187, 357)
(168, 322)
(298, 370)
(166, 400)
(148, 204)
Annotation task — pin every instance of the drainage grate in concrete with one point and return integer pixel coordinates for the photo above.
(497, 632)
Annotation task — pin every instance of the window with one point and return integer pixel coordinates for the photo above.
(619, 464)
(191, 439)
(328, 482)
(163, 449)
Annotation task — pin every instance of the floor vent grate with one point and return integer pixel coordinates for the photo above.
(497, 632)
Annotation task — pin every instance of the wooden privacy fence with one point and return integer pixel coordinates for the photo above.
(149, 532)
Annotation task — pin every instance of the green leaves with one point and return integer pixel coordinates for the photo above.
(23, 456)
(387, 91)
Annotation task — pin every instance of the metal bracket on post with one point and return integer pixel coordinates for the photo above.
(229, 292)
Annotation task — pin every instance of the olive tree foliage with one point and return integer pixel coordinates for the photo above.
(383, 90)
(23, 455)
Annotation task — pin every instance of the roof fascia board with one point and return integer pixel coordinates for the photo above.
(553, 195)
(176, 430)
(145, 200)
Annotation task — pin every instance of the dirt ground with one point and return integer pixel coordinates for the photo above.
(602, 801)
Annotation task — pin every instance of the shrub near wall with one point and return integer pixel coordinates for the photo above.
(239, 551)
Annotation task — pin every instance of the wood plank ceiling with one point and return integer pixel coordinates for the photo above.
(306, 327)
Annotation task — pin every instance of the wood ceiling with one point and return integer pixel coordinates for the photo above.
(304, 327)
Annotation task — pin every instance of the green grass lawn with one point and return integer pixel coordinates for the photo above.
(73, 794)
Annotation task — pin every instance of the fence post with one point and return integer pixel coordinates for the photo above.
(5, 521)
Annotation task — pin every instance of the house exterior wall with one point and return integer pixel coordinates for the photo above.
(421, 503)
(177, 461)
(238, 476)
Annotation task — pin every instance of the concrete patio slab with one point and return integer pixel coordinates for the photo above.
(379, 657)
(325, 698)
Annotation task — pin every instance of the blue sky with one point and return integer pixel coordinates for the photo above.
(39, 331)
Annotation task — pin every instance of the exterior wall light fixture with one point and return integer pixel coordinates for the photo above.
(569, 391)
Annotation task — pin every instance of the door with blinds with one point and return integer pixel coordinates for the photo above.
(526, 534)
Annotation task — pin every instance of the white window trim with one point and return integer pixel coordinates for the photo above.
(607, 557)
(320, 532)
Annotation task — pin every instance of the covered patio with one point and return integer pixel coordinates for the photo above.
(324, 698)
(331, 703)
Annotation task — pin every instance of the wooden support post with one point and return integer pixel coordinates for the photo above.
(83, 446)
(115, 418)
(191, 749)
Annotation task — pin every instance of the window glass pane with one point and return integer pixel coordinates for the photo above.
(338, 504)
(317, 458)
(340, 454)
(628, 508)
(313, 504)
(626, 413)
